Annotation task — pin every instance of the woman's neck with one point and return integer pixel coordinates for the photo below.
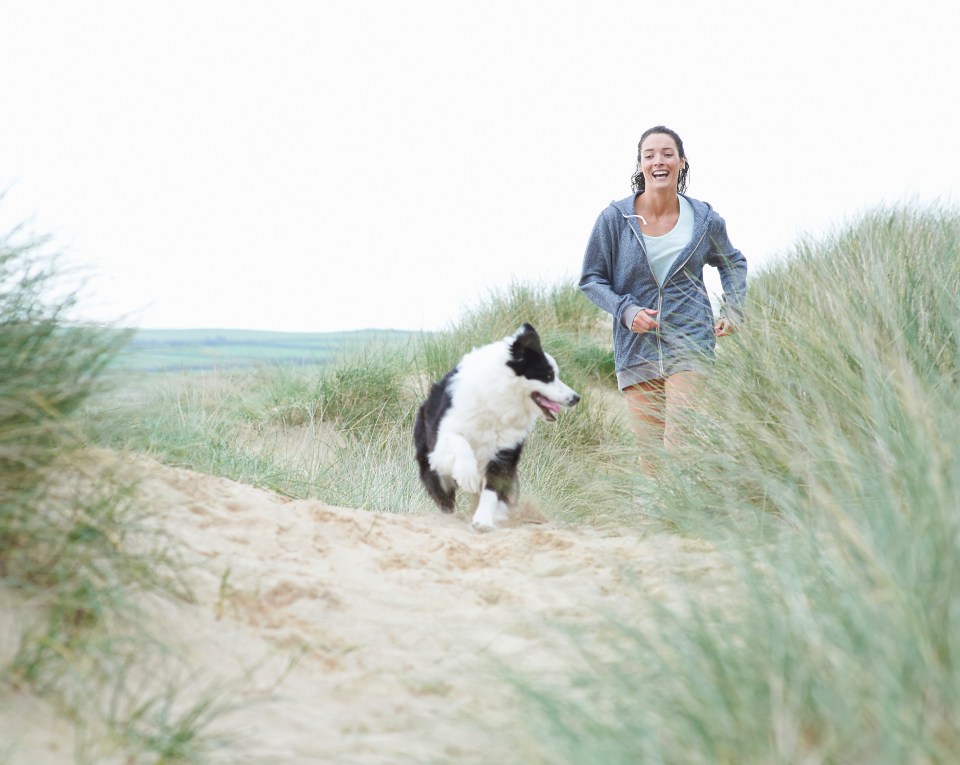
(657, 203)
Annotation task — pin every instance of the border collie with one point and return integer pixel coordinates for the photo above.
(470, 431)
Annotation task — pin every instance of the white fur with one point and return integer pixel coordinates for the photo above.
(489, 510)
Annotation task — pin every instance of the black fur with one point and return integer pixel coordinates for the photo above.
(425, 438)
(526, 356)
(502, 474)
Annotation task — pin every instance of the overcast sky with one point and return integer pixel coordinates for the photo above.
(316, 165)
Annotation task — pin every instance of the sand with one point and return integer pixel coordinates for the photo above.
(344, 636)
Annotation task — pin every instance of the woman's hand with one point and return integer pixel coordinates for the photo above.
(644, 321)
(723, 327)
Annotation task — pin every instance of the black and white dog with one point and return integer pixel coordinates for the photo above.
(470, 431)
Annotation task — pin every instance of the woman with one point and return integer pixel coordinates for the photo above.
(644, 265)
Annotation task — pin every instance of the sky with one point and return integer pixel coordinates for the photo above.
(317, 166)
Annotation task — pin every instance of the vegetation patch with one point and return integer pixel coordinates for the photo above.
(820, 468)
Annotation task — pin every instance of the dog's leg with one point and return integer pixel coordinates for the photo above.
(485, 517)
(454, 457)
(502, 478)
(500, 489)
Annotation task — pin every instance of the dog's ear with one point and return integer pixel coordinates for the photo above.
(526, 339)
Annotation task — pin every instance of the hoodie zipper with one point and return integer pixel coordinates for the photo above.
(660, 298)
(660, 286)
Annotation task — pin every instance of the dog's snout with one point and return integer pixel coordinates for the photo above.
(575, 399)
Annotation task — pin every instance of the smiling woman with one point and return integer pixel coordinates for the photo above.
(644, 266)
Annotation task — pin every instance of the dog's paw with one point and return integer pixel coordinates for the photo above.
(485, 516)
(468, 478)
(481, 528)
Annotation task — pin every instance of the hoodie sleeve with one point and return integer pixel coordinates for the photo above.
(598, 267)
(732, 265)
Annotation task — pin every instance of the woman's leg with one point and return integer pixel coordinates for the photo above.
(681, 393)
(656, 407)
(647, 407)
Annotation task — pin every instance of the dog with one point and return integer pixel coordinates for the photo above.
(471, 429)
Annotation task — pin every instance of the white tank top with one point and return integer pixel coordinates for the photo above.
(662, 251)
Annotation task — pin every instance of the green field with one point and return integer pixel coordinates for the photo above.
(162, 350)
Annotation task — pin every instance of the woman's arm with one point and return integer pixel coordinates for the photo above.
(732, 266)
(597, 270)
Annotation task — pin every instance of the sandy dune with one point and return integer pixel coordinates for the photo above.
(346, 636)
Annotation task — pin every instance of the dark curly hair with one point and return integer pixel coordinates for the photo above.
(638, 182)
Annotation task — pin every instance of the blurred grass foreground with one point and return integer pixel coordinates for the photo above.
(822, 462)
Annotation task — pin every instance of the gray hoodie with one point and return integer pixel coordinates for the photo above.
(617, 277)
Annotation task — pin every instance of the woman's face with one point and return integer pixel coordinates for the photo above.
(660, 162)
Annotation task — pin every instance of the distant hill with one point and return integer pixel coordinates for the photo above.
(162, 350)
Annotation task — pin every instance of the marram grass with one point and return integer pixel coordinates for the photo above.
(343, 432)
(825, 461)
(77, 554)
(821, 461)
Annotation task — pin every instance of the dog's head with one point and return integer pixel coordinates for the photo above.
(539, 370)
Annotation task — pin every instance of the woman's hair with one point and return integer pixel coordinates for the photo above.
(638, 182)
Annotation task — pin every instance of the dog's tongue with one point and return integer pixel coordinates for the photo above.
(553, 406)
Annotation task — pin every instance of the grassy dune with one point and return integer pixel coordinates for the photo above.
(822, 462)
(78, 558)
(315, 431)
(826, 461)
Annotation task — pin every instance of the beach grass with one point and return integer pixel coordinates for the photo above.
(820, 464)
(78, 556)
(824, 460)
(343, 431)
